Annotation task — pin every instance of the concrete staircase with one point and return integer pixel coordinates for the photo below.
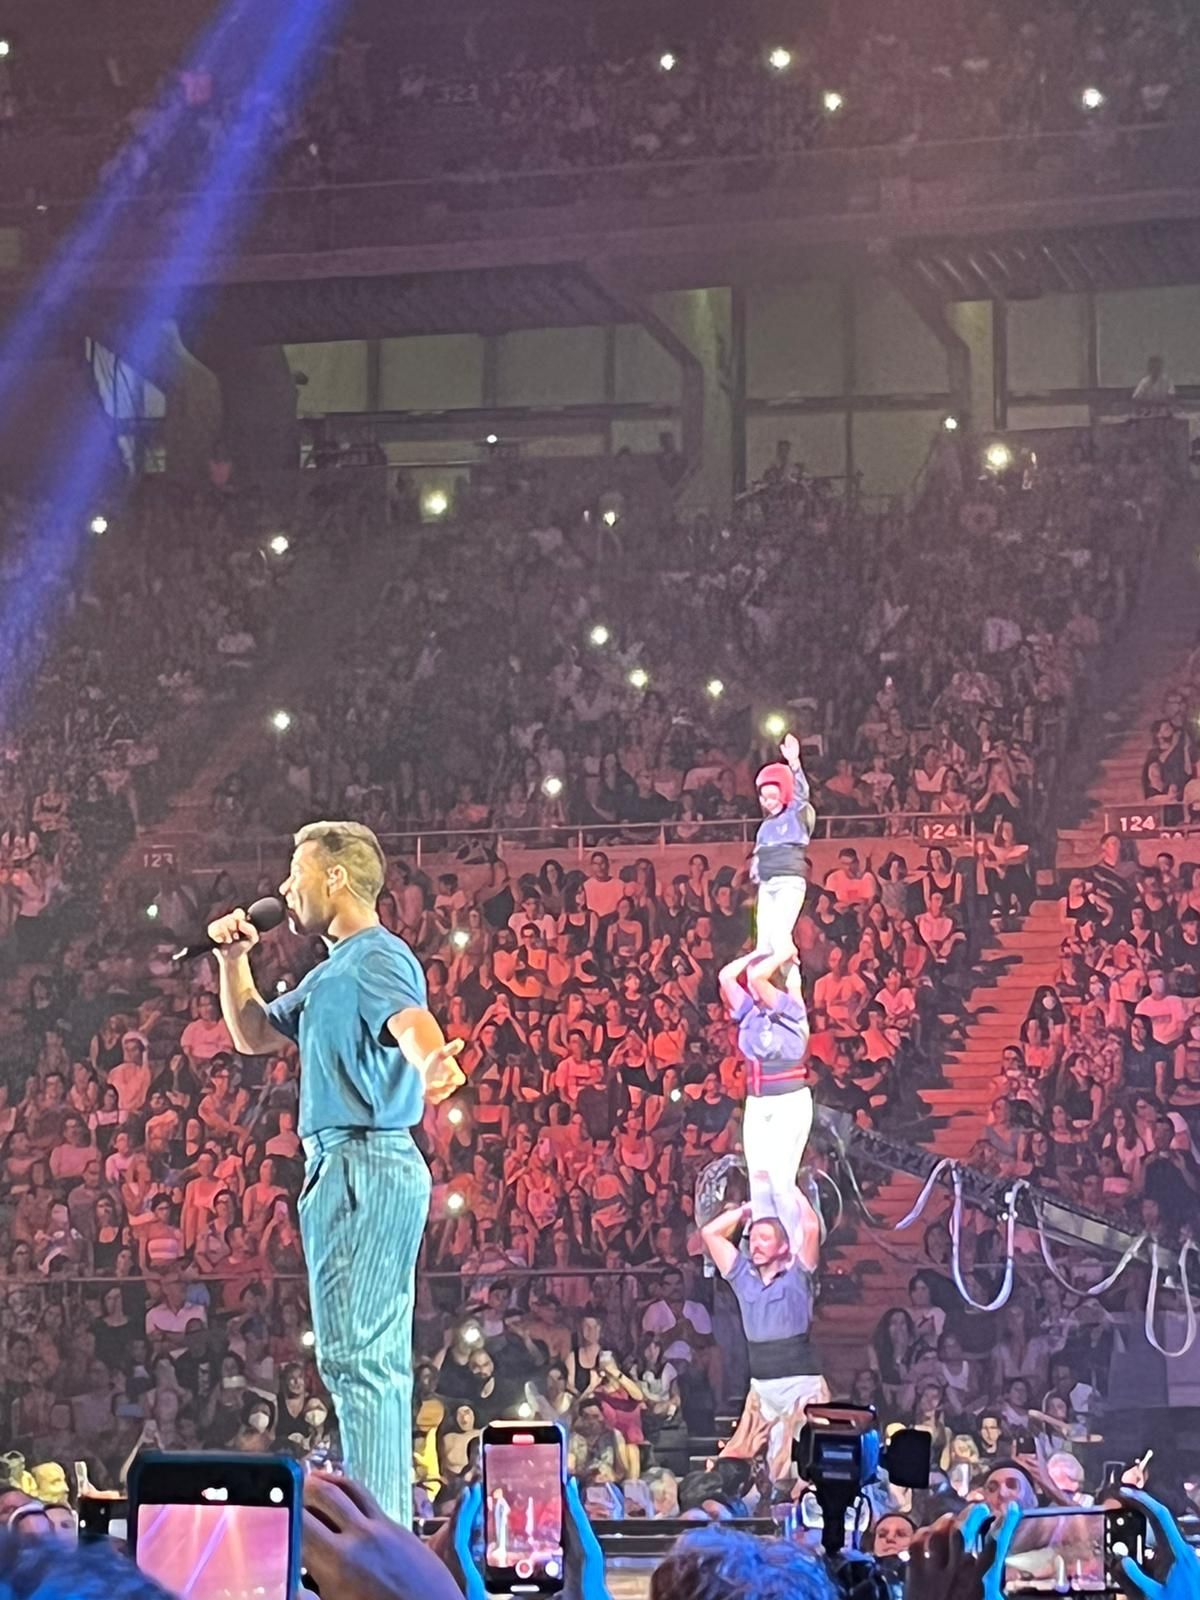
(1107, 768)
(882, 1262)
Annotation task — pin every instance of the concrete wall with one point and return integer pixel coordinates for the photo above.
(826, 341)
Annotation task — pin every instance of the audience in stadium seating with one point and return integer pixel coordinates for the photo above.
(152, 1276)
(540, 113)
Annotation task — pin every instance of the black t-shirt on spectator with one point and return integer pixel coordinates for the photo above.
(710, 1119)
(1141, 1068)
(1163, 1182)
(596, 1107)
(842, 1096)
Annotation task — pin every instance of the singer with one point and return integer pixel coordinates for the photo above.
(371, 1055)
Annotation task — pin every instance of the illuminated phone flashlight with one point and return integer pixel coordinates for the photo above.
(5, 49)
(552, 787)
(998, 456)
(460, 938)
(281, 721)
(472, 1335)
(279, 545)
(832, 101)
(525, 1411)
(308, 1338)
(282, 986)
(639, 678)
(1092, 98)
(780, 59)
(152, 910)
(714, 688)
(492, 438)
(599, 636)
(454, 1202)
(454, 1115)
(610, 518)
(98, 525)
(775, 726)
(676, 1094)
(667, 61)
(950, 424)
(435, 503)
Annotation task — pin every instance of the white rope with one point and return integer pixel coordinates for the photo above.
(1065, 1283)
(1189, 1329)
(1006, 1285)
(923, 1198)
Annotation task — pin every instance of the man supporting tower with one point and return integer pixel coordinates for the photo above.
(773, 1039)
(774, 1290)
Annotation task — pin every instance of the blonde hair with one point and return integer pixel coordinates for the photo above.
(355, 849)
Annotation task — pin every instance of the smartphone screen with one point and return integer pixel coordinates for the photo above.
(1072, 1551)
(217, 1528)
(523, 1510)
(211, 1551)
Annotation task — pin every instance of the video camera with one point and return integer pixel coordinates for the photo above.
(840, 1451)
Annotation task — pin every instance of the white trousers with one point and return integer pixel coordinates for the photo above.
(775, 1130)
(780, 902)
(782, 1403)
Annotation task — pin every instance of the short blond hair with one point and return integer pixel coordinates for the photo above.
(354, 848)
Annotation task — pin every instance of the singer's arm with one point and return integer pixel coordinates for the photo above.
(245, 1010)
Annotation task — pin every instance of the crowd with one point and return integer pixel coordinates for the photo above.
(153, 1282)
(578, 667)
(547, 99)
(156, 622)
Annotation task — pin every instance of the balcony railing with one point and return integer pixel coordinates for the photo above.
(199, 852)
(463, 207)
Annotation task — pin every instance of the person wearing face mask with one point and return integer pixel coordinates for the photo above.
(256, 1434)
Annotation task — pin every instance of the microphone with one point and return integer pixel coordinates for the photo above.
(264, 915)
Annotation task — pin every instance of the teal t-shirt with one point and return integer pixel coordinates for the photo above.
(352, 1072)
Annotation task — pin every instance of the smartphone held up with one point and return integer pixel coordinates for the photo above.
(524, 1475)
(217, 1524)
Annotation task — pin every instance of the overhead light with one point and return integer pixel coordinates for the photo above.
(998, 456)
(780, 58)
(832, 101)
(667, 61)
(98, 525)
(639, 678)
(775, 726)
(281, 721)
(714, 688)
(599, 635)
(279, 545)
(1092, 98)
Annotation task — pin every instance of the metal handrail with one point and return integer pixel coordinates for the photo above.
(929, 827)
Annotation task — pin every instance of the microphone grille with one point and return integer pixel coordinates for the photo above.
(266, 913)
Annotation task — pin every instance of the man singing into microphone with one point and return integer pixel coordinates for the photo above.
(371, 1055)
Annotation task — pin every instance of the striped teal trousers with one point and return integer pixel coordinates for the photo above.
(362, 1213)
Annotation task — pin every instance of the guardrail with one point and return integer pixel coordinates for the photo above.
(196, 852)
(1156, 818)
(463, 206)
